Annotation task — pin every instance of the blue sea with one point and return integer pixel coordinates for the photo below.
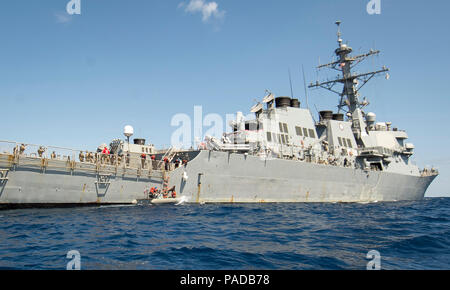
(408, 235)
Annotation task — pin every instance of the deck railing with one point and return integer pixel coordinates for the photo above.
(66, 159)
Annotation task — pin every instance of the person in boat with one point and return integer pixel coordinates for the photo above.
(153, 192)
(172, 192)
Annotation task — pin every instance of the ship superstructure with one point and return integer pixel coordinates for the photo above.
(349, 137)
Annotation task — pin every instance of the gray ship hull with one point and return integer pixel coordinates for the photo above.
(213, 177)
(29, 185)
(222, 177)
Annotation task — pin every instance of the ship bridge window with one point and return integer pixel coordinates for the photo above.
(311, 133)
(345, 142)
(305, 132)
(253, 126)
(298, 130)
(274, 138)
(283, 138)
(283, 128)
(349, 143)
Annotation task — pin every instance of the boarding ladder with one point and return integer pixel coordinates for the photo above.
(170, 154)
(166, 179)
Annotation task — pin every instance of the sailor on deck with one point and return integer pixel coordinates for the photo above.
(22, 149)
(81, 156)
(166, 163)
(105, 154)
(41, 151)
(152, 162)
(143, 159)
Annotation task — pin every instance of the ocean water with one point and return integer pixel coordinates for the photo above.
(408, 235)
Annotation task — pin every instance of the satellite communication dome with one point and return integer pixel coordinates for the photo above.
(371, 117)
(128, 131)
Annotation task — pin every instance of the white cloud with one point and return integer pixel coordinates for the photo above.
(62, 17)
(207, 9)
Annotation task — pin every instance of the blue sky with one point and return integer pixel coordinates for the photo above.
(75, 81)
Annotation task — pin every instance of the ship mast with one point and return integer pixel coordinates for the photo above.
(350, 92)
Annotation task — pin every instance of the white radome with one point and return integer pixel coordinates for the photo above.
(371, 117)
(128, 131)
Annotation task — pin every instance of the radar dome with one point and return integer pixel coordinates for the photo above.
(371, 117)
(128, 131)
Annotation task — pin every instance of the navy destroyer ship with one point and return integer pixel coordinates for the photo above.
(281, 155)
